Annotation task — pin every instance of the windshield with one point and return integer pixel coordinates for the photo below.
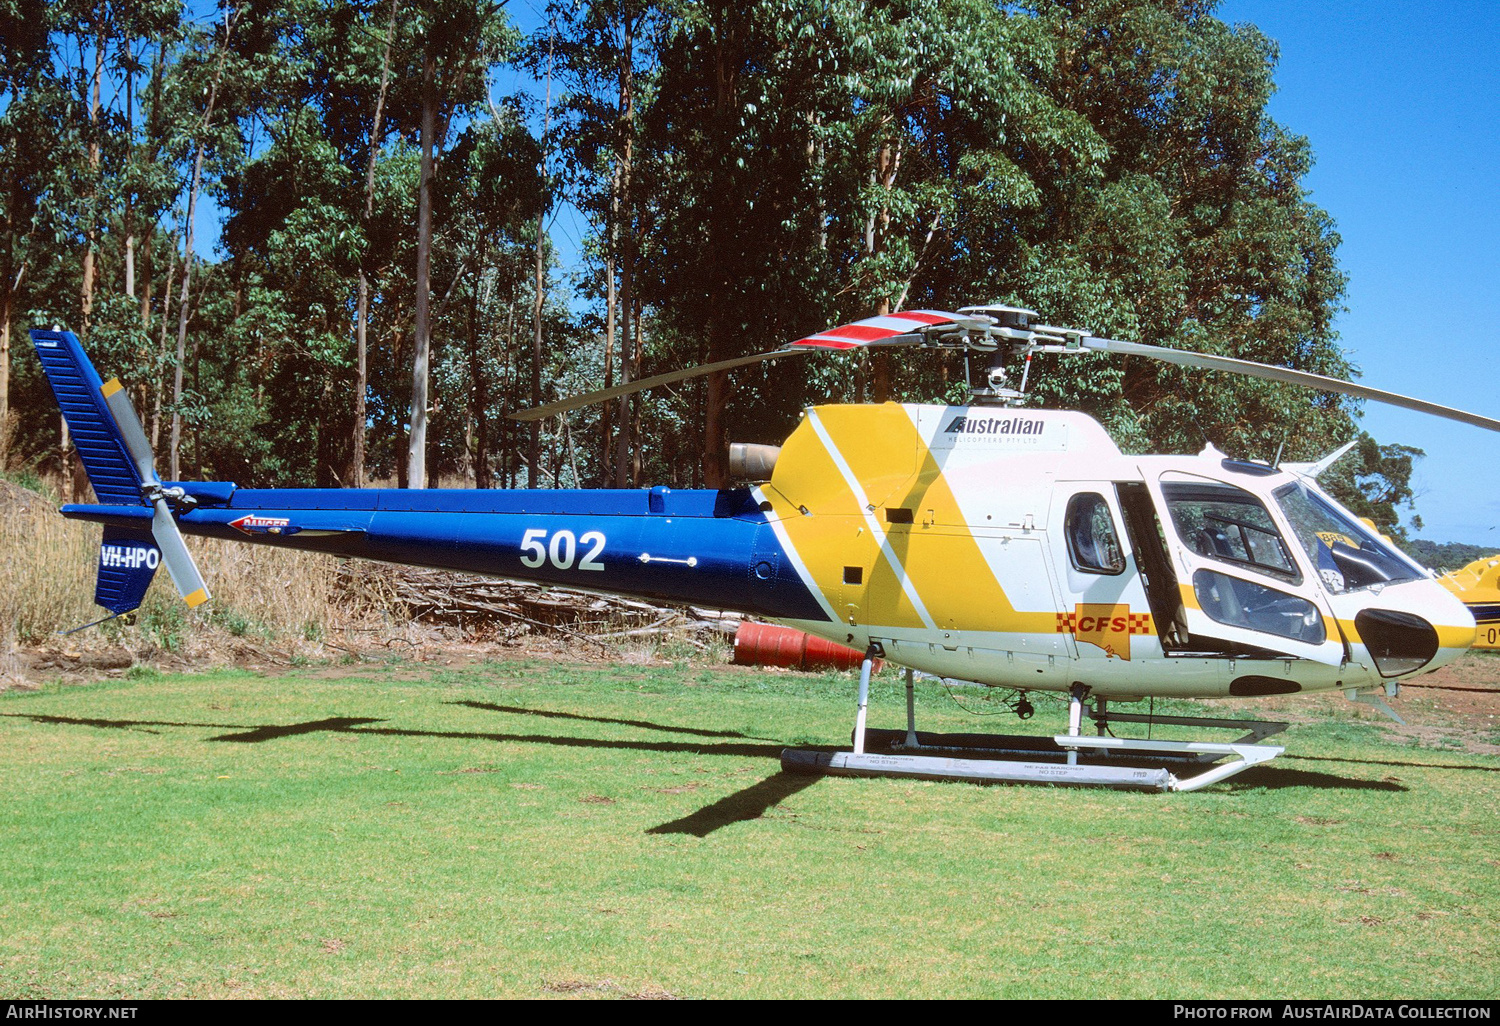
(1348, 555)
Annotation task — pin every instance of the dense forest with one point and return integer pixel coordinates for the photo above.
(385, 291)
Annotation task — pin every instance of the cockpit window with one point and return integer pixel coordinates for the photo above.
(1229, 524)
(1348, 555)
(1093, 544)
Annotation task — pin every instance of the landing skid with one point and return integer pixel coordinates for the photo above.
(1071, 759)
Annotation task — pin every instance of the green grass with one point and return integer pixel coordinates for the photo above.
(532, 829)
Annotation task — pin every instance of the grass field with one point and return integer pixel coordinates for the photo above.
(541, 829)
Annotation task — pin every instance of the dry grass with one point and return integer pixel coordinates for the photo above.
(47, 567)
(271, 597)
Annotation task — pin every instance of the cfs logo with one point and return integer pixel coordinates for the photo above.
(1104, 625)
(114, 556)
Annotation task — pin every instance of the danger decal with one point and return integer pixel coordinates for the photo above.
(1105, 626)
(260, 525)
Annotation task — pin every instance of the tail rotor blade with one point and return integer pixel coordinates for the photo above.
(1288, 376)
(174, 553)
(137, 447)
(164, 529)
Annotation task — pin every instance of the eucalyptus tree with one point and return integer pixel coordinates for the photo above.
(1193, 230)
(824, 160)
(489, 201)
(725, 156)
(458, 42)
(602, 56)
(212, 71)
(339, 64)
(25, 161)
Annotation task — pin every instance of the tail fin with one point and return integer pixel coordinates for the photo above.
(80, 394)
(117, 456)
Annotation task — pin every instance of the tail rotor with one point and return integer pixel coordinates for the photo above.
(164, 529)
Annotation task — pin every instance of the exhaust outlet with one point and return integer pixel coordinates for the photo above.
(749, 461)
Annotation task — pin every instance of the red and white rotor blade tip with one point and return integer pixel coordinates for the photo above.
(897, 329)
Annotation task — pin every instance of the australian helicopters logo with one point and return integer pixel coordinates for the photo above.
(968, 425)
(1106, 626)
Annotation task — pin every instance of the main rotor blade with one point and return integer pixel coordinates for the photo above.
(1288, 376)
(897, 329)
(631, 387)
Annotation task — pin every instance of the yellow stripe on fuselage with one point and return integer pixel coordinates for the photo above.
(932, 566)
(832, 533)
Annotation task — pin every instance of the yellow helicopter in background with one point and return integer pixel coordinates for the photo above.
(1478, 587)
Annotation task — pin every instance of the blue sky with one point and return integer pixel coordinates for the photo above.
(1401, 103)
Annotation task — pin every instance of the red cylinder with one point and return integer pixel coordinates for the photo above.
(764, 644)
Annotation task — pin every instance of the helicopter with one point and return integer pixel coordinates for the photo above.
(1478, 586)
(986, 543)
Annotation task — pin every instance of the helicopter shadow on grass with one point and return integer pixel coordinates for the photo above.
(647, 724)
(745, 805)
(742, 806)
(748, 804)
(1277, 778)
(139, 726)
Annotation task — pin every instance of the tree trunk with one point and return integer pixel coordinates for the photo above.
(5, 431)
(605, 441)
(720, 333)
(887, 163)
(480, 396)
(91, 232)
(416, 458)
(187, 257)
(362, 311)
(161, 345)
(635, 409)
(129, 217)
(90, 242)
(629, 364)
(12, 283)
(534, 446)
(153, 133)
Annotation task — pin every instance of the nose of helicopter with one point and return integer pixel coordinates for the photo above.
(1414, 628)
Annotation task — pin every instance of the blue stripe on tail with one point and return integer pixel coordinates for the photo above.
(77, 387)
